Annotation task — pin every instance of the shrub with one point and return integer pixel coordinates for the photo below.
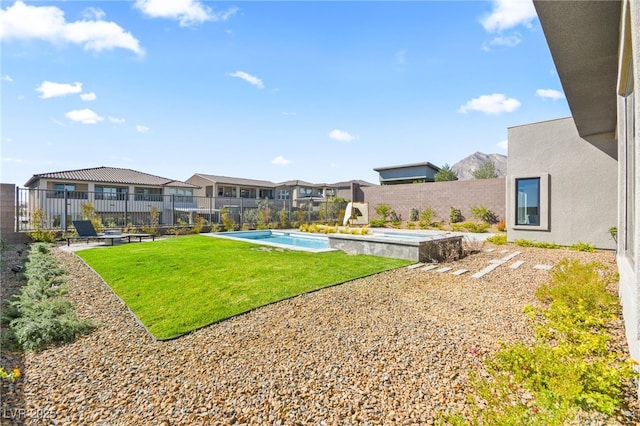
(497, 239)
(377, 223)
(483, 214)
(284, 219)
(197, 227)
(470, 227)
(570, 364)
(426, 217)
(227, 221)
(383, 210)
(455, 215)
(41, 232)
(40, 315)
(580, 246)
(538, 244)
(414, 214)
(501, 226)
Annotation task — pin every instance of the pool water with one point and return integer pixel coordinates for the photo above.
(293, 240)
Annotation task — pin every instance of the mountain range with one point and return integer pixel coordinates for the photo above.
(465, 167)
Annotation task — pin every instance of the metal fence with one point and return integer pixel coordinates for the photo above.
(53, 209)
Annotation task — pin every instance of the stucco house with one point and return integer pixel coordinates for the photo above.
(407, 173)
(117, 195)
(573, 179)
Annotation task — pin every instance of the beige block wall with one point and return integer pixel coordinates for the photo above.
(439, 196)
(7, 215)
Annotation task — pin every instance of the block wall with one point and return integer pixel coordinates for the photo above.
(7, 215)
(439, 196)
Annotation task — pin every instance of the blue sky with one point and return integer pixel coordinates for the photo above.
(318, 91)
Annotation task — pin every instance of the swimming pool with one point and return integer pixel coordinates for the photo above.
(283, 239)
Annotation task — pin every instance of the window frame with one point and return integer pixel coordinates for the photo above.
(543, 202)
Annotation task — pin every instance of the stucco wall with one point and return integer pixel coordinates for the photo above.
(439, 196)
(582, 203)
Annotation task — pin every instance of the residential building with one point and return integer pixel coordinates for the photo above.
(119, 196)
(595, 46)
(407, 173)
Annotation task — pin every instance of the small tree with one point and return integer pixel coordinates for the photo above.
(383, 210)
(487, 170)
(445, 174)
(89, 213)
(227, 221)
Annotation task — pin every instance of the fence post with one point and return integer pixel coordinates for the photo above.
(17, 206)
(66, 208)
(126, 207)
(173, 209)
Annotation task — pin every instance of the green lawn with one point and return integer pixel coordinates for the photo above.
(179, 284)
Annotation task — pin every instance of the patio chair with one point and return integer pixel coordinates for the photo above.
(87, 232)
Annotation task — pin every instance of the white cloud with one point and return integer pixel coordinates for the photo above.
(49, 89)
(88, 96)
(550, 93)
(84, 116)
(12, 160)
(280, 161)
(503, 144)
(508, 14)
(116, 120)
(48, 23)
(401, 56)
(142, 129)
(93, 13)
(7, 78)
(248, 78)
(188, 12)
(509, 41)
(496, 103)
(341, 135)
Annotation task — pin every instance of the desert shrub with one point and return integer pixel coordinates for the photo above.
(581, 246)
(571, 364)
(377, 223)
(455, 215)
(41, 233)
(89, 213)
(284, 219)
(483, 214)
(411, 225)
(497, 239)
(383, 210)
(39, 315)
(501, 226)
(414, 214)
(426, 218)
(470, 227)
(538, 244)
(228, 222)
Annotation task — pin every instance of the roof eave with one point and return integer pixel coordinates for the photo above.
(583, 38)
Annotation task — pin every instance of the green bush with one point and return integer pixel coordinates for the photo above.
(455, 215)
(570, 365)
(474, 227)
(483, 214)
(414, 214)
(426, 217)
(377, 223)
(580, 246)
(497, 239)
(39, 315)
(41, 233)
(383, 210)
(538, 244)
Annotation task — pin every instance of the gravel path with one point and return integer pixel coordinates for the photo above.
(394, 348)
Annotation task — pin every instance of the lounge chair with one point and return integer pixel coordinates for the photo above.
(87, 232)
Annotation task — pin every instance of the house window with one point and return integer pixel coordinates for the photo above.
(59, 190)
(110, 193)
(283, 194)
(182, 195)
(247, 193)
(148, 194)
(305, 191)
(528, 201)
(227, 191)
(265, 193)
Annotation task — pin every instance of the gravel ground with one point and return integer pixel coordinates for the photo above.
(393, 348)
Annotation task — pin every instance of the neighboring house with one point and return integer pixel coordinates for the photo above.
(231, 191)
(407, 173)
(595, 46)
(300, 191)
(116, 195)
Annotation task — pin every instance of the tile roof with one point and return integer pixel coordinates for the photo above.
(237, 181)
(110, 175)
